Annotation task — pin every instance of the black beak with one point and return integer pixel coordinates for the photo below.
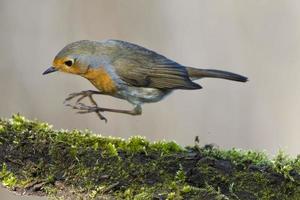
(50, 70)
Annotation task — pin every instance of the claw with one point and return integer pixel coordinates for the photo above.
(80, 98)
(87, 109)
(81, 95)
(102, 117)
(84, 109)
(83, 112)
(71, 96)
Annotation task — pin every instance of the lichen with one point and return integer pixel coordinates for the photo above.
(35, 159)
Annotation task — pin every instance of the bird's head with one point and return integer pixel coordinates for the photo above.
(75, 58)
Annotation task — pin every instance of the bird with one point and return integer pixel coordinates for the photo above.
(127, 71)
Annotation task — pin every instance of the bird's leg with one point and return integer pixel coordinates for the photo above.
(95, 108)
(97, 112)
(88, 109)
(82, 95)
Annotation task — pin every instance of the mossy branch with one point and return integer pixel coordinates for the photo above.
(35, 159)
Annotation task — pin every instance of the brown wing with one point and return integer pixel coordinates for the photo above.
(141, 67)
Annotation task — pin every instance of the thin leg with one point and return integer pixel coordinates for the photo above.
(82, 95)
(97, 112)
(88, 109)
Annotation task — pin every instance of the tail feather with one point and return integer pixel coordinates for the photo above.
(195, 73)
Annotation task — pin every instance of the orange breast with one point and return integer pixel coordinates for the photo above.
(101, 80)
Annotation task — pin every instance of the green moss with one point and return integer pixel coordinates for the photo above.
(79, 164)
(283, 165)
(7, 178)
(136, 144)
(2, 129)
(180, 175)
(111, 150)
(166, 147)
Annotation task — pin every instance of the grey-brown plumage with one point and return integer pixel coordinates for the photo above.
(144, 68)
(129, 71)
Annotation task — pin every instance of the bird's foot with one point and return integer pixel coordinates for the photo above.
(80, 106)
(81, 95)
(83, 109)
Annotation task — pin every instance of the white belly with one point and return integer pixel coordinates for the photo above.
(139, 95)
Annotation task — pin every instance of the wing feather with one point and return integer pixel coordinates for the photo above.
(141, 67)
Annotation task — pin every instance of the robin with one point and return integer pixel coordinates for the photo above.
(127, 71)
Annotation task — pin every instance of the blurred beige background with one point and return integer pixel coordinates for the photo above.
(257, 38)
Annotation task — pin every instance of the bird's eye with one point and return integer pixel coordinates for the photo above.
(69, 63)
